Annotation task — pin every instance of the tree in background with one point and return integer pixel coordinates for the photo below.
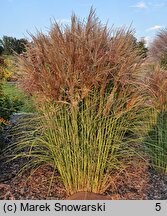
(11, 44)
(142, 48)
(1, 49)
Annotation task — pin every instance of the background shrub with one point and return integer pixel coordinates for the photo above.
(7, 68)
(5, 105)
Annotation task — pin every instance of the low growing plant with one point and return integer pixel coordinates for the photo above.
(20, 101)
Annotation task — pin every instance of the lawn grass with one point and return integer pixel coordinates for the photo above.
(21, 102)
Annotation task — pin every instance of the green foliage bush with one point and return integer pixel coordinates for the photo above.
(5, 111)
(143, 50)
(13, 100)
(21, 102)
(5, 105)
(7, 68)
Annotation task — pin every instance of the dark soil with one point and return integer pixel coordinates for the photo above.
(136, 182)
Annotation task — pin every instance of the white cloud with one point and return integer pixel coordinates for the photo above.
(148, 40)
(156, 27)
(144, 5)
(159, 5)
(63, 21)
(140, 5)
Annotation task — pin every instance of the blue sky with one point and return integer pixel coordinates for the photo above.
(19, 16)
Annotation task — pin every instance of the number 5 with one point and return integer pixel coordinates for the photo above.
(158, 207)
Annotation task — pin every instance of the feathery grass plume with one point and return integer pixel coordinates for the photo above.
(156, 141)
(65, 64)
(158, 48)
(92, 109)
(156, 85)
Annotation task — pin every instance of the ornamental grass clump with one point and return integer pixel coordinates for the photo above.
(156, 141)
(90, 102)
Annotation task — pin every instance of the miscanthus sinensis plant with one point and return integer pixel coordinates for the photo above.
(92, 110)
(156, 141)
